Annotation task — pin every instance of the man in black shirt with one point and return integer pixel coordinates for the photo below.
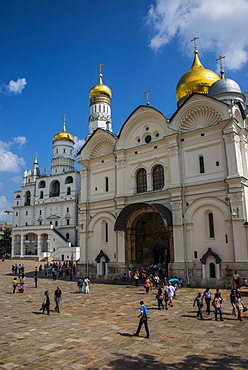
(57, 298)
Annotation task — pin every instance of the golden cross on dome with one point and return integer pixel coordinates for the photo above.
(221, 66)
(194, 39)
(64, 124)
(147, 96)
(100, 66)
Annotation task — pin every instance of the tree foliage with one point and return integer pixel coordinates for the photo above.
(5, 241)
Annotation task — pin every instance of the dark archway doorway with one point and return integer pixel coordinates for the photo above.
(149, 238)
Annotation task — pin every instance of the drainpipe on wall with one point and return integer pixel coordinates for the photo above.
(87, 218)
(115, 194)
(181, 171)
(227, 197)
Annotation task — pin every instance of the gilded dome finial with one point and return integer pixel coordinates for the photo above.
(100, 89)
(195, 46)
(221, 67)
(64, 123)
(147, 96)
(100, 72)
(64, 135)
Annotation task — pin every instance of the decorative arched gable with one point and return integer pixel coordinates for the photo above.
(144, 125)
(100, 255)
(99, 144)
(208, 254)
(199, 111)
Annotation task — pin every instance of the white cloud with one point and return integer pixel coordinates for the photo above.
(9, 162)
(222, 27)
(4, 204)
(21, 140)
(78, 143)
(16, 87)
(16, 179)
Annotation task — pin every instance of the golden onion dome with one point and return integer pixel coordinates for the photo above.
(64, 135)
(198, 79)
(100, 89)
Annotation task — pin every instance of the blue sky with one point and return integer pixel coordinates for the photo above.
(50, 51)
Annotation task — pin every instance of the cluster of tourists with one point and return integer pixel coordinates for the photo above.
(18, 269)
(60, 270)
(216, 302)
(84, 285)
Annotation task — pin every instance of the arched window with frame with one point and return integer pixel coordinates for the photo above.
(42, 184)
(27, 200)
(211, 225)
(158, 177)
(69, 180)
(201, 164)
(55, 189)
(141, 181)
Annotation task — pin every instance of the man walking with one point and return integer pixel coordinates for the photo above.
(57, 298)
(207, 296)
(143, 320)
(198, 302)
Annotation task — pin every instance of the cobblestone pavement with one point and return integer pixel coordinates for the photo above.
(94, 331)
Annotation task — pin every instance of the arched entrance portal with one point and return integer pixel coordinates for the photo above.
(149, 238)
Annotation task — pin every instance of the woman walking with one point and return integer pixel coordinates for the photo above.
(239, 305)
(160, 297)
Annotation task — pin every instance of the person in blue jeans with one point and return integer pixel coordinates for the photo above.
(198, 302)
(57, 298)
(143, 320)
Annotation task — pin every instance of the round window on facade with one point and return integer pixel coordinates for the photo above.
(148, 138)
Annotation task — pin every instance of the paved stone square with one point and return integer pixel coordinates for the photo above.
(94, 331)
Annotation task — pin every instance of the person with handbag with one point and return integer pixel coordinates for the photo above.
(239, 305)
(160, 297)
(198, 302)
(217, 305)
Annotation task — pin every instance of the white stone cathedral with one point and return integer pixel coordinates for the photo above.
(168, 191)
(163, 191)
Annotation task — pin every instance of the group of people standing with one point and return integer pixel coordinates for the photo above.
(235, 300)
(84, 285)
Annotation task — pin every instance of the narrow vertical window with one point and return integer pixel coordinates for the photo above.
(106, 232)
(106, 184)
(201, 164)
(141, 182)
(158, 177)
(211, 225)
